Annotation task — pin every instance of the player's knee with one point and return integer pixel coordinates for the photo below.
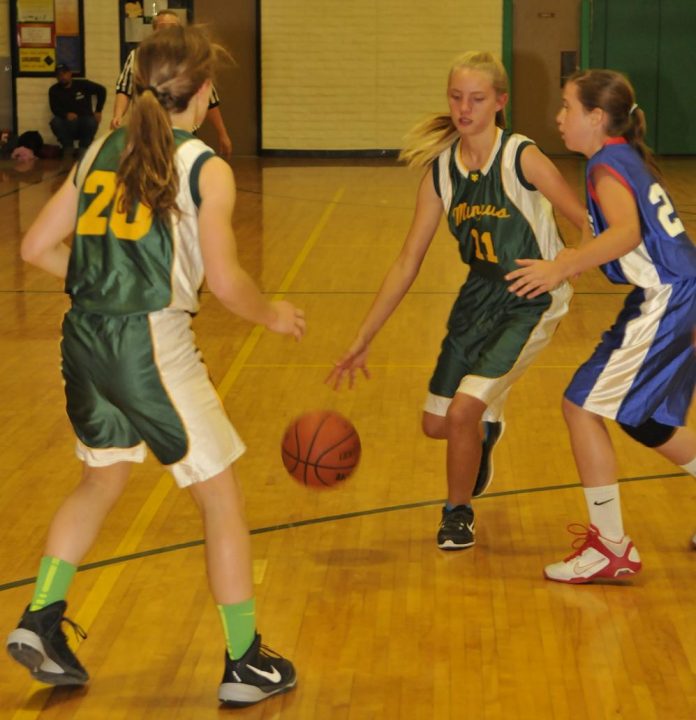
(464, 412)
(434, 426)
(651, 433)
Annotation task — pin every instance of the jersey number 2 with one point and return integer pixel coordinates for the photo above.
(673, 225)
(102, 183)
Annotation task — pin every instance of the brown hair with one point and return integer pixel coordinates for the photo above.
(613, 93)
(430, 137)
(170, 66)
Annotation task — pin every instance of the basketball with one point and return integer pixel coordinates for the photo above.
(320, 448)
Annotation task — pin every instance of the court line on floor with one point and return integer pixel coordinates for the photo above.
(333, 518)
(287, 281)
(109, 576)
(29, 185)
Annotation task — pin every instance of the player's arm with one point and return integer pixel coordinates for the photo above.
(546, 177)
(226, 278)
(44, 243)
(622, 235)
(396, 283)
(124, 90)
(224, 146)
(121, 103)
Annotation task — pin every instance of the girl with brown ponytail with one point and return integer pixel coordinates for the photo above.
(643, 372)
(150, 207)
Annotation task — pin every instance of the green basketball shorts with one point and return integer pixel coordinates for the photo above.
(138, 380)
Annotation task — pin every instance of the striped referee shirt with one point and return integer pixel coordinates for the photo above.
(124, 84)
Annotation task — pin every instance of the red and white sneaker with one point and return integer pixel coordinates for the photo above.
(595, 557)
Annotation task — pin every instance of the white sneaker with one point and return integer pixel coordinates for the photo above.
(595, 557)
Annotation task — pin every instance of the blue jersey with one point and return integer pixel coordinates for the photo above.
(645, 366)
(666, 254)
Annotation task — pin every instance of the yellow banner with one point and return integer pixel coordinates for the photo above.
(37, 60)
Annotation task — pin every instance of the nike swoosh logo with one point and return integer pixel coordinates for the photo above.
(579, 569)
(604, 502)
(274, 676)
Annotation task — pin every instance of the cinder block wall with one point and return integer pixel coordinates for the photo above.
(336, 75)
(357, 75)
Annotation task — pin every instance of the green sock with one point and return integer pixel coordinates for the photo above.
(54, 579)
(239, 625)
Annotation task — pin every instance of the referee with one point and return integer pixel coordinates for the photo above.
(124, 91)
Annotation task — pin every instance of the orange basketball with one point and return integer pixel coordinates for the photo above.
(320, 448)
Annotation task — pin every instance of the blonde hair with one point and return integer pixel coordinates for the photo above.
(429, 138)
(170, 66)
(613, 93)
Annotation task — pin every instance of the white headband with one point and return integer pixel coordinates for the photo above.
(633, 107)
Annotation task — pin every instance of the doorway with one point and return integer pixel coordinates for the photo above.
(545, 50)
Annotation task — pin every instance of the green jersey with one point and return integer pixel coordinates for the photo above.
(494, 213)
(123, 264)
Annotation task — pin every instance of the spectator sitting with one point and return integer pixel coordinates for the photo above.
(75, 117)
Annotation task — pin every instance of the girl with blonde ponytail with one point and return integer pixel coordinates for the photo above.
(495, 187)
(150, 207)
(643, 372)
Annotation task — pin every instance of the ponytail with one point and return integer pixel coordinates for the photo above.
(635, 136)
(427, 140)
(171, 66)
(147, 171)
(613, 93)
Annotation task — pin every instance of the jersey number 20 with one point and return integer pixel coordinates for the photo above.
(102, 183)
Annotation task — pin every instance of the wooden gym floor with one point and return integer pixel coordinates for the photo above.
(350, 584)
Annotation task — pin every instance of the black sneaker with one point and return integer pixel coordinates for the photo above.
(258, 674)
(39, 644)
(492, 432)
(456, 529)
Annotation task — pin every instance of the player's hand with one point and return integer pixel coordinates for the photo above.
(116, 122)
(224, 146)
(534, 278)
(355, 359)
(288, 319)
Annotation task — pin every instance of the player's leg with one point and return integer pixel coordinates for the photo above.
(252, 672)
(680, 448)
(492, 429)
(463, 422)
(39, 642)
(605, 552)
(199, 445)
(463, 447)
(227, 543)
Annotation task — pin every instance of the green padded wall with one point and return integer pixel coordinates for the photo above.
(676, 101)
(654, 43)
(625, 37)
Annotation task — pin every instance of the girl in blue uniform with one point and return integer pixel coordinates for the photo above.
(150, 207)
(642, 373)
(496, 189)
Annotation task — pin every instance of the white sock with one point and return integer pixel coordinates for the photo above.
(604, 505)
(690, 467)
